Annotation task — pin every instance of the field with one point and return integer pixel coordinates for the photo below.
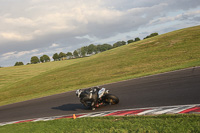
(138, 124)
(167, 52)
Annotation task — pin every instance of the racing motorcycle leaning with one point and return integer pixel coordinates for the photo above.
(95, 97)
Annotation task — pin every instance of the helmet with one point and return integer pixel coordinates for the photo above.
(78, 92)
(96, 87)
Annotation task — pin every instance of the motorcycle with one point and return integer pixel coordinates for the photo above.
(96, 97)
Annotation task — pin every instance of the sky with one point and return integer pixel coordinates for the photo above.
(37, 27)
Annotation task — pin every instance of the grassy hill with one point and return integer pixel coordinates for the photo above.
(167, 52)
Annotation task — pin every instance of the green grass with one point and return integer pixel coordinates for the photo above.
(167, 52)
(138, 124)
(10, 75)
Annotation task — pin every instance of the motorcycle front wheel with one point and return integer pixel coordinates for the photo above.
(111, 99)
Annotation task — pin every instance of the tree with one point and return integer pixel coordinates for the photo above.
(119, 43)
(79, 52)
(56, 57)
(83, 51)
(35, 60)
(99, 48)
(44, 58)
(69, 55)
(19, 63)
(103, 47)
(62, 56)
(151, 35)
(137, 39)
(106, 47)
(154, 34)
(92, 49)
(130, 41)
(75, 53)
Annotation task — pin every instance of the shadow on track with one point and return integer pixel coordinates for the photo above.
(70, 107)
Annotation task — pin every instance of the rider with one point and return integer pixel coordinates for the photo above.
(92, 95)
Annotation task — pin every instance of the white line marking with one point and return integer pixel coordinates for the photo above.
(163, 111)
(151, 110)
(179, 109)
(146, 112)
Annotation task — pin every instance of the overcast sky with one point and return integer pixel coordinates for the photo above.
(37, 27)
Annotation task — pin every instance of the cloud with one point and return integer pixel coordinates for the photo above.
(16, 54)
(95, 18)
(187, 16)
(15, 36)
(34, 24)
(54, 45)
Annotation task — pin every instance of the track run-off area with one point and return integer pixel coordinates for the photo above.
(171, 92)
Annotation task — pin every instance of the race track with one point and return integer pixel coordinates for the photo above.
(174, 88)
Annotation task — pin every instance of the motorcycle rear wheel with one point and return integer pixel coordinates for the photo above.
(111, 99)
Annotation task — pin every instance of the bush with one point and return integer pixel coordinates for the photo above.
(19, 63)
(152, 35)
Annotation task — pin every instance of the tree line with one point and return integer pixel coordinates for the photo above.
(82, 52)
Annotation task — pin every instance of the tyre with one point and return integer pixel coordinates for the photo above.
(111, 99)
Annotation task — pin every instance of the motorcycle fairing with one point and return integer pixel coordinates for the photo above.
(101, 92)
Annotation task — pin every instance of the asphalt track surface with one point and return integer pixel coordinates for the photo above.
(180, 87)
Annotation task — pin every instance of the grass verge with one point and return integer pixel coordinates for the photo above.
(139, 124)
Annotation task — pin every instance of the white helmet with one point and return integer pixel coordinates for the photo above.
(78, 92)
